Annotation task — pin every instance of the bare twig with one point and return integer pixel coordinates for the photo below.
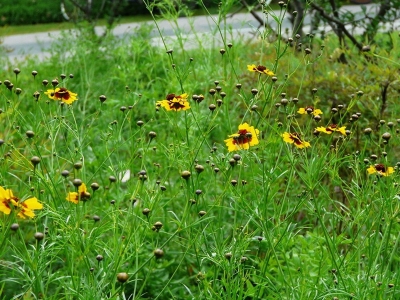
(339, 24)
(372, 27)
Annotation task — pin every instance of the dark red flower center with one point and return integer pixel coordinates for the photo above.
(309, 109)
(331, 127)
(244, 137)
(62, 93)
(176, 105)
(295, 137)
(260, 68)
(170, 97)
(380, 168)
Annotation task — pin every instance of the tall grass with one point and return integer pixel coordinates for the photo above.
(173, 214)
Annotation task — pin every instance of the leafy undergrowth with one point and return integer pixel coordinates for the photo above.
(262, 170)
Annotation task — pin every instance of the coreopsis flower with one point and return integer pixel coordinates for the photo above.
(260, 69)
(175, 102)
(310, 110)
(62, 94)
(332, 128)
(245, 137)
(81, 195)
(380, 169)
(24, 208)
(294, 138)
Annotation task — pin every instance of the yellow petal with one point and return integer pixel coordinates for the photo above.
(371, 170)
(73, 197)
(32, 203)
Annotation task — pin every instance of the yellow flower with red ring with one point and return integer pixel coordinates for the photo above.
(380, 169)
(175, 102)
(332, 128)
(62, 94)
(24, 208)
(246, 137)
(294, 138)
(260, 69)
(81, 195)
(309, 110)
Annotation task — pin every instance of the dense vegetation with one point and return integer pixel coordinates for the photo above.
(259, 169)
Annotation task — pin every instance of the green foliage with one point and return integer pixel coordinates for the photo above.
(272, 221)
(21, 12)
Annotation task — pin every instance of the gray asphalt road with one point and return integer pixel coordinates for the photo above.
(193, 30)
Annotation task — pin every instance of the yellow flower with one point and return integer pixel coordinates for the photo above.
(25, 208)
(309, 110)
(260, 69)
(380, 169)
(62, 94)
(82, 195)
(5, 201)
(175, 102)
(332, 128)
(28, 206)
(294, 138)
(243, 139)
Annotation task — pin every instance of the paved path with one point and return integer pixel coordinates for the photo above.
(195, 29)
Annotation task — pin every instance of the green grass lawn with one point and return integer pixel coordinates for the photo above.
(263, 170)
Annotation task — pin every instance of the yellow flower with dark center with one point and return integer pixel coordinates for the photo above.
(260, 69)
(175, 102)
(62, 94)
(245, 137)
(380, 169)
(5, 201)
(25, 208)
(294, 138)
(28, 206)
(332, 128)
(81, 195)
(309, 110)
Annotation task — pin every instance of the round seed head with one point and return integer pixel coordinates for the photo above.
(158, 253)
(39, 236)
(14, 226)
(77, 182)
(386, 136)
(30, 134)
(102, 98)
(185, 175)
(199, 168)
(95, 186)
(122, 277)
(367, 131)
(35, 160)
